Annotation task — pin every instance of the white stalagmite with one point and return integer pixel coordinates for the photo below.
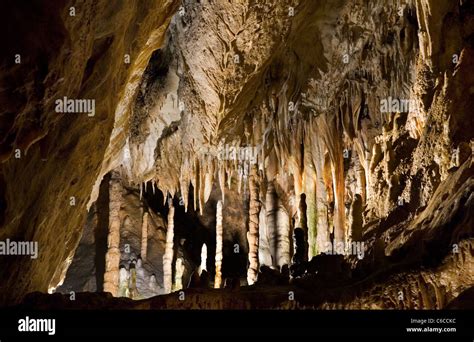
(168, 256)
(144, 246)
(112, 258)
(219, 232)
(178, 274)
(203, 266)
(252, 234)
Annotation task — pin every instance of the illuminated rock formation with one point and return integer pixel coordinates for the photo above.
(219, 232)
(112, 258)
(252, 235)
(144, 236)
(267, 140)
(168, 255)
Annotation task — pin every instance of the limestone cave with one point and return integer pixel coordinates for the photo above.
(247, 154)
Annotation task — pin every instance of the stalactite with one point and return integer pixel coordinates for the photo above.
(168, 256)
(196, 184)
(184, 181)
(219, 233)
(112, 258)
(201, 188)
(252, 234)
(360, 172)
(209, 179)
(144, 246)
(229, 173)
(222, 181)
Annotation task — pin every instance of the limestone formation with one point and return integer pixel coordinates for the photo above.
(144, 236)
(219, 233)
(252, 235)
(327, 148)
(112, 258)
(168, 255)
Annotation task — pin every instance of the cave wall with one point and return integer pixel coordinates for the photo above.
(81, 56)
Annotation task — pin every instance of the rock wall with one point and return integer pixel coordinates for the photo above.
(80, 56)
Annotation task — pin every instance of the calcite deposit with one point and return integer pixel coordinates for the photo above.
(239, 151)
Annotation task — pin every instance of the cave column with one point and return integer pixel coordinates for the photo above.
(219, 232)
(339, 208)
(253, 235)
(144, 246)
(311, 207)
(302, 244)
(112, 258)
(322, 223)
(283, 243)
(271, 214)
(168, 256)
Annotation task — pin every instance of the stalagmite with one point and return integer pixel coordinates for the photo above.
(311, 210)
(271, 211)
(339, 209)
(144, 246)
(132, 283)
(303, 224)
(178, 274)
(203, 266)
(123, 283)
(252, 234)
(219, 232)
(112, 258)
(168, 256)
(283, 238)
